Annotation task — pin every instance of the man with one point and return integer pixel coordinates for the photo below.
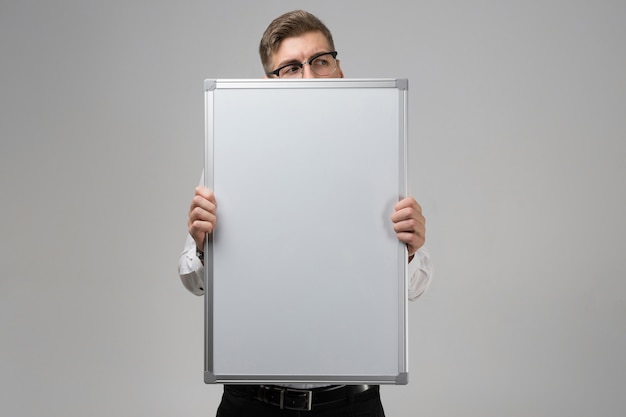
(297, 44)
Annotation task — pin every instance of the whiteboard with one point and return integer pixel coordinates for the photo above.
(306, 281)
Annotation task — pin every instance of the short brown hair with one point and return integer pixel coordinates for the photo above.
(288, 25)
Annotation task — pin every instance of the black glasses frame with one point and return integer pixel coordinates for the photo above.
(276, 72)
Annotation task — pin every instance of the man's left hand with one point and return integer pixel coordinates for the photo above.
(409, 224)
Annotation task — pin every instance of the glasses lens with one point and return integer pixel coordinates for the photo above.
(324, 64)
(290, 71)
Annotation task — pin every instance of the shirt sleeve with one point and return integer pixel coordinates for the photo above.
(420, 273)
(190, 268)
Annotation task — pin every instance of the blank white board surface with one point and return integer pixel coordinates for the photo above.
(305, 279)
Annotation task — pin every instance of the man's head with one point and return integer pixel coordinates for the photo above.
(296, 37)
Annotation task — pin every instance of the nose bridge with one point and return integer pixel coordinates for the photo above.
(307, 71)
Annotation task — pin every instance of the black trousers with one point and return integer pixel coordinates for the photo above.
(365, 404)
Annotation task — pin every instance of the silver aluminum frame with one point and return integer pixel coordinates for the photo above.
(401, 378)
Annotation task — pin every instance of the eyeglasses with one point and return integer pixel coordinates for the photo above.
(321, 64)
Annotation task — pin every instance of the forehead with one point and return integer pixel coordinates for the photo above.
(300, 48)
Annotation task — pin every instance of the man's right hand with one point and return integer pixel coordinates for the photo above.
(201, 215)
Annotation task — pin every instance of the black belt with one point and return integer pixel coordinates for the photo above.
(299, 399)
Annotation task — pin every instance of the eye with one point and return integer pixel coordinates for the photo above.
(321, 62)
(289, 70)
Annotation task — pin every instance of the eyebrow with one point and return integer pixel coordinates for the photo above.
(288, 62)
(295, 61)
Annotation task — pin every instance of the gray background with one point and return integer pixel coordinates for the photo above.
(517, 127)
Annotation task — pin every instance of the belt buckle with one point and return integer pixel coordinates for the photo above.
(309, 399)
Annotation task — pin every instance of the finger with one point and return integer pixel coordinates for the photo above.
(409, 238)
(406, 225)
(407, 214)
(202, 217)
(204, 198)
(200, 227)
(412, 241)
(410, 226)
(204, 192)
(200, 202)
(412, 232)
(408, 202)
(406, 208)
(199, 230)
(200, 214)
